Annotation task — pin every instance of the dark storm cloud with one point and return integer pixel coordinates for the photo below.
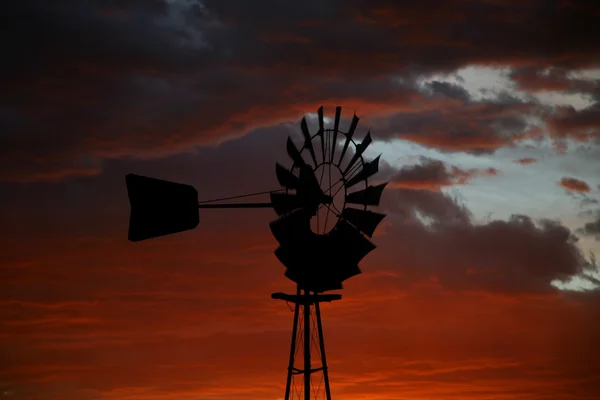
(471, 127)
(528, 78)
(436, 34)
(433, 175)
(577, 123)
(83, 81)
(449, 90)
(591, 228)
(534, 78)
(434, 235)
(551, 79)
(433, 205)
(581, 124)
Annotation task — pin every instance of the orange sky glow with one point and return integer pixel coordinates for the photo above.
(483, 286)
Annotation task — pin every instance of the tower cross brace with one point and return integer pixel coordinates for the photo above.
(303, 300)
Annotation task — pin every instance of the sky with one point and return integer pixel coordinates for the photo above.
(484, 284)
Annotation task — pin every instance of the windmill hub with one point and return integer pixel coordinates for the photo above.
(332, 202)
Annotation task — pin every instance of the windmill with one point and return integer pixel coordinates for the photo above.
(318, 253)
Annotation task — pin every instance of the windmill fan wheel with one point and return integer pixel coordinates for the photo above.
(319, 253)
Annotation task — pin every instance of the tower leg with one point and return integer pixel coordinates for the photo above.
(306, 299)
(322, 345)
(307, 336)
(288, 384)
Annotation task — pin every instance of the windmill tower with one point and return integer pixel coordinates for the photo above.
(323, 230)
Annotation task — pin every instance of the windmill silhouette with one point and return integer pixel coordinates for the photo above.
(318, 253)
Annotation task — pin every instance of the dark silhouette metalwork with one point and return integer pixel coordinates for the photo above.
(319, 256)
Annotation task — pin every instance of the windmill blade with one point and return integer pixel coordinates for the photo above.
(322, 132)
(293, 229)
(348, 272)
(317, 262)
(160, 207)
(299, 256)
(317, 270)
(368, 197)
(309, 184)
(308, 191)
(365, 221)
(355, 244)
(368, 170)
(348, 138)
(360, 149)
(302, 262)
(336, 126)
(307, 141)
(294, 153)
(291, 258)
(284, 203)
(286, 178)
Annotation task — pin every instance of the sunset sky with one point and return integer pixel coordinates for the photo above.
(486, 114)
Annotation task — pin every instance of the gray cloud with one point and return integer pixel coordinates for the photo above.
(433, 235)
(86, 81)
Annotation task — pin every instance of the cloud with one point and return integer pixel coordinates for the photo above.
(581, 124)
(203, 93)
(433, 175)
(449, 90)
(433, 235)
(532, 79)
(149, 79)
(551, 79)
(525, 161)
(591, 228)
(574, 185)
(476, 128)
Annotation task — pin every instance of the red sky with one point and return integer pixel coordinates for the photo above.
(483, 110)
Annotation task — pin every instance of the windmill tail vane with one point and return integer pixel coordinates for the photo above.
(323, 227)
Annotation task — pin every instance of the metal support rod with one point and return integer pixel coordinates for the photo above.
(323, 358)
(288, 384)
(237, 205)
(307, 346)
(305, 300)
